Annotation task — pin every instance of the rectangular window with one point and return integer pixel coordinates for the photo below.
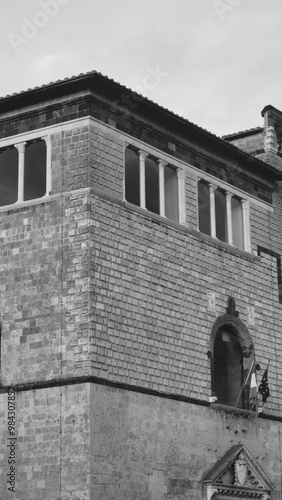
(151, 184)
(171, 193)
(23, 172)
(35, 170)
(132, 177)
(204, 216)
(8, 176)
(221, 215)
(237, 222)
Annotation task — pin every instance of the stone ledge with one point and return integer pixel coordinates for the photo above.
(231, 409)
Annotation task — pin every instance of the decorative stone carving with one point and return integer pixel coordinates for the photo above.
(237, 475)
(241, 470)
(211, 301)
(231, 307)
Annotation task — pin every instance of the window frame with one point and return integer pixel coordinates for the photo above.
(20, 142)
(229, 194)
(223, 389)
(232, 321)
(143, 153)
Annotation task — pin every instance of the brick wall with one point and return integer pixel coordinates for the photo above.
(150, 302)
(90, 285)
(203, 154)
(45, 289)
(145, 281)
(107, 162)
(44, 114)
(70, 159)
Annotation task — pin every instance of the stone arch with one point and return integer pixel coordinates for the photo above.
(242, 331)
(230, 322)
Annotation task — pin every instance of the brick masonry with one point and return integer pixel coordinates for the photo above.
(92, 286)
(151, 302)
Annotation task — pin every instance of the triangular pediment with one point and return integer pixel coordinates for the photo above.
(237, 475)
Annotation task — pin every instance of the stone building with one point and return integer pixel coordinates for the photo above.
(140, 281)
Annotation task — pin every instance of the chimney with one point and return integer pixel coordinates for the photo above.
(270, 140)
(272, 137)
(272, 127)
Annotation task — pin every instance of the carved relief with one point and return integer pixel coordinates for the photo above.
(241, 470)
(237, 475)
(231, 307)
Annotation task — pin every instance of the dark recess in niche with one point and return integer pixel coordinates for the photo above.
(278, 260)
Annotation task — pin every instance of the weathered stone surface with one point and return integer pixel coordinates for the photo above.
(107, 312)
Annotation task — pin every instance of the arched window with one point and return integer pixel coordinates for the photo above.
(232, 361)
(228, 367)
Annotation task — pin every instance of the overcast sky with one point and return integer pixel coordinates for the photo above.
(214, 62)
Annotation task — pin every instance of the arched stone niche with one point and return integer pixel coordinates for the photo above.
(229, 324)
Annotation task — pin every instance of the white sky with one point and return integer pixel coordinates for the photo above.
(218, 60)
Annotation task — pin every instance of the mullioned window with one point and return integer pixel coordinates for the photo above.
(23, 171)
(152, 184)
(223, 215)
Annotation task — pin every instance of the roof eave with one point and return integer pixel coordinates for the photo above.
(88, 81)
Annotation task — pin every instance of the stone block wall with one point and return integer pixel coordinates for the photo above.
(52, 447)
(252, 141)
(148, 447)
